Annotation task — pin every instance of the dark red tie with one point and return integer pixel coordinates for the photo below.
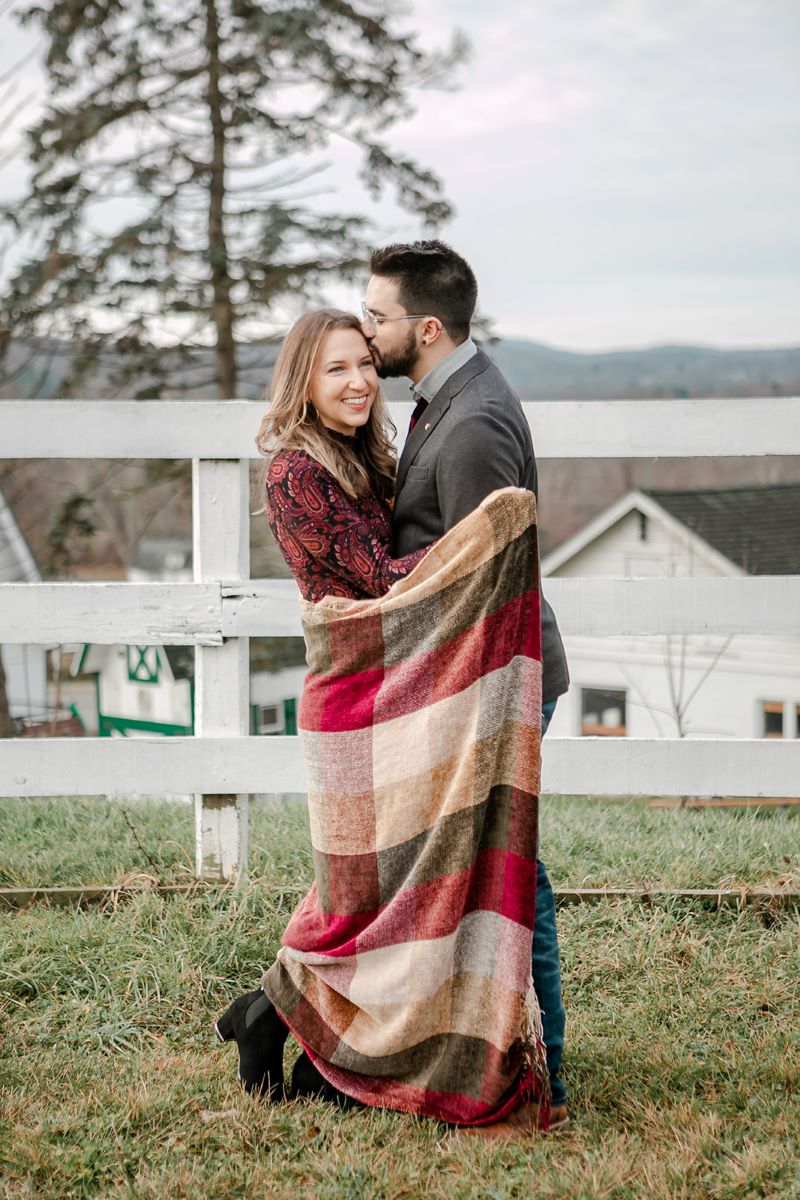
(422, 404)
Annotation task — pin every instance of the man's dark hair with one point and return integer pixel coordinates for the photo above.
(433, 280)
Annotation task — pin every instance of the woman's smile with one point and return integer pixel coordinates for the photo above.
(344, 383)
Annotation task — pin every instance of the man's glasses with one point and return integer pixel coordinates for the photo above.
(372, 319)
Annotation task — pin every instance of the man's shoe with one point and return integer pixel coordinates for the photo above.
(524, 1122)
(259, 1032)
(559, 1120)
(519, 1125)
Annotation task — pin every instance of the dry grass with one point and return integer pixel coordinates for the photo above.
(683, 1050)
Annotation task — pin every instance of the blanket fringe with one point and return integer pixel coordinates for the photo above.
(536, 1076)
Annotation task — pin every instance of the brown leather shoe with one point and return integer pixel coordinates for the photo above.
(559, 1120)
(519, 1125)
(523, 1123)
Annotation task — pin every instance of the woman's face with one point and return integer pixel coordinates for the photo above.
(344, 383)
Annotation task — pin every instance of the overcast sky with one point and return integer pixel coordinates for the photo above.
(625, 172)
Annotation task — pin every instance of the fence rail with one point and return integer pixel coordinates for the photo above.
(227, 765)
(563, 428)
(224, 607)
(203, 614)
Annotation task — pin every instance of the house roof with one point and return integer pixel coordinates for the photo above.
(756, 527)
(91, 657)
(181, 660)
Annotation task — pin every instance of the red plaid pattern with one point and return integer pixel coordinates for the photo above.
(406, 970)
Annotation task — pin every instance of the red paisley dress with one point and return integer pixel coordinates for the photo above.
(334, 546)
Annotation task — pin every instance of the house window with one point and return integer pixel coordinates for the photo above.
(143, 663)
(268, 718)
(772, 719)
(603, 713)
(797, 720)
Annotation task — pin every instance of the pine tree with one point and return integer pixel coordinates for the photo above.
(202, 119)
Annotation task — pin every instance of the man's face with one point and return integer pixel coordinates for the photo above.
(394, 344)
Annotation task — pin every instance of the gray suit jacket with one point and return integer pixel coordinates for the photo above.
(472, 439)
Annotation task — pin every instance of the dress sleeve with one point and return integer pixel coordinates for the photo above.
(312, 517)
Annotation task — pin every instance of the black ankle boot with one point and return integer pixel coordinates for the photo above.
(307, 1081)
(260, 1035)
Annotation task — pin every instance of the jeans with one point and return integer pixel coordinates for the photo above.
(546, 965)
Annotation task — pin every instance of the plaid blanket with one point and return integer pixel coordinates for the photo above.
(406, 970)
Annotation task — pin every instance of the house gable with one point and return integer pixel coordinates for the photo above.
(636, 536)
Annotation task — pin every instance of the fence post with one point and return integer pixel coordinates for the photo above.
(221, 539)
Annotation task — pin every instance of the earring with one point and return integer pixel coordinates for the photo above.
(424, 341)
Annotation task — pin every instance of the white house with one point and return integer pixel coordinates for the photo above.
(739, 687)
(25, 666)
(140, 690)
(274, 699)
(149, 690)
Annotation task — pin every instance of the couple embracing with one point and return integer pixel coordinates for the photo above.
(421, 971)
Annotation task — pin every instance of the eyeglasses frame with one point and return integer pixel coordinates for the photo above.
(368, 315)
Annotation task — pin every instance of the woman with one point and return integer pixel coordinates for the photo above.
(330, 477)
(405, 972)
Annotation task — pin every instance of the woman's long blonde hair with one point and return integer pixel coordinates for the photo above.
(363, 463)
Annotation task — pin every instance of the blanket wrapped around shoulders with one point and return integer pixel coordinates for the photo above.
(406, 970)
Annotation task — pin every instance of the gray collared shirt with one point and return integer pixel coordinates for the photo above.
(438, 376)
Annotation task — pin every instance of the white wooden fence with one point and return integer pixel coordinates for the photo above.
(223, 607)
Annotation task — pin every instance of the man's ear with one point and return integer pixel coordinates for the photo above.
(432, 330)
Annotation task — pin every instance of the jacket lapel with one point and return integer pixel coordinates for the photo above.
(434, 413)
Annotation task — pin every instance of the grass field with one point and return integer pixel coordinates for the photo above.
(683, 1046)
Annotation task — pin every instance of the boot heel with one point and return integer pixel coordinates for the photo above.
(224, 1026)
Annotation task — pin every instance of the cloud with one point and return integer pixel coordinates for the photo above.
(622, 170)
(615, 151)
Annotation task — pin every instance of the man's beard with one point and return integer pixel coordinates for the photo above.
(399, 361)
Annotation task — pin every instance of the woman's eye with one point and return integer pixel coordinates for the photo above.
(333, 370)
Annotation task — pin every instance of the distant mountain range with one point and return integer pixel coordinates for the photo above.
(539, 372)
(536, 371)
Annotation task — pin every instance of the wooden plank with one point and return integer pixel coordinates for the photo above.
(725, 802)
(261, 607)
(221, 532)
(591, 607)
(214, 429)
(80, 896)
(562, 429)
(706, 428)
(203, 613)
(230, 764)
(150, 766)
(756, 605)
(667, 767)
(737, 898)
(170, 614)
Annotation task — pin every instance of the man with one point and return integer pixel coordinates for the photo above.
(468, 437)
